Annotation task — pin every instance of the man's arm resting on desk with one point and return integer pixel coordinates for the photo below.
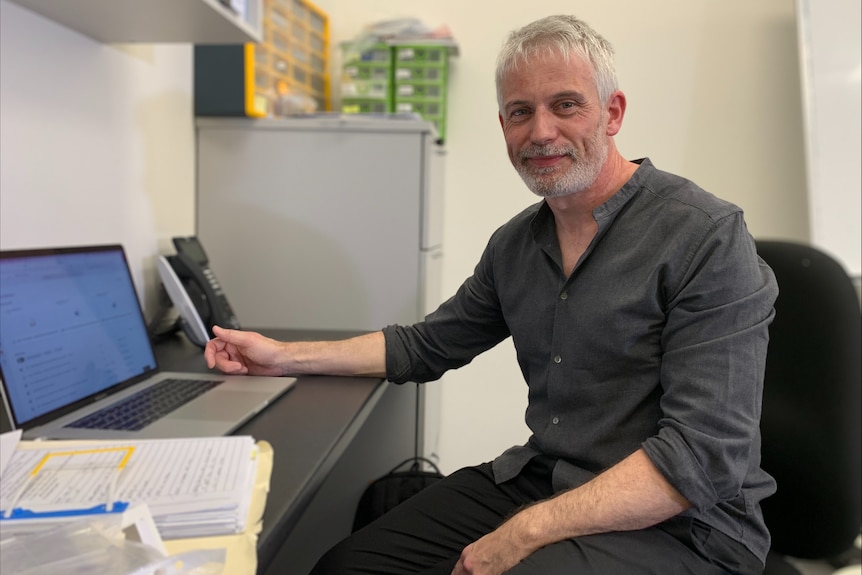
(631, 495)
(246, 352)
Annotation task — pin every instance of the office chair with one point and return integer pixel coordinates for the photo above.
(812, 437)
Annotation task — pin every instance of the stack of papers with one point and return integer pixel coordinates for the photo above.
(194, 487)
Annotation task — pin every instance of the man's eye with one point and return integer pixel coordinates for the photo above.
(519, 112)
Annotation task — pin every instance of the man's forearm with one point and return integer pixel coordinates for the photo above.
(631, 495)
(364, 355)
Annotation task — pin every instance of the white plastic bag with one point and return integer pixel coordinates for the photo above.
(87, 547)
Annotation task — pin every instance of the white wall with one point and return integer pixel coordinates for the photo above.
(96, 142)
(713, 92)
(830, 47)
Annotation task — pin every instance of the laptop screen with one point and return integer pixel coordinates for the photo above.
(71, 328)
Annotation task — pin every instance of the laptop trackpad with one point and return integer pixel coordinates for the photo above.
(224, 405)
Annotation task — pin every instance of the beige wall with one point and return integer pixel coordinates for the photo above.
(713, 90)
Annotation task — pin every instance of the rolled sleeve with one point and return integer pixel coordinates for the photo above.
(715, 343)
(464, 326)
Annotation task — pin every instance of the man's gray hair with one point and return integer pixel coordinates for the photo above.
(559, 34)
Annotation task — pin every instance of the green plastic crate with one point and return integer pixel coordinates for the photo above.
(366, 79)
(414, 77)
(421, 53)
(365, 106)
(426, 90)
(422, 107)
(366, 71)
(429, 110)
(367, 89)
(419, 73)
(376, 53)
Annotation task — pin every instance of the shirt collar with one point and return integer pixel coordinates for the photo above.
(603, 214)
(626, 193)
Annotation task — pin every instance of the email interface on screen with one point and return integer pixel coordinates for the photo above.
(70, 327)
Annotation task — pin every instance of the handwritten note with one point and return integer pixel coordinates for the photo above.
(209, 479)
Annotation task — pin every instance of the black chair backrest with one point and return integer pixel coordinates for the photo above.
(812, 437)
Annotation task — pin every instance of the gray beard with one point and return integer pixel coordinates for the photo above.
(580, 176)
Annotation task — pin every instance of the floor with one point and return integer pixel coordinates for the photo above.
(812, 568)
(809, 568)
(820, 568)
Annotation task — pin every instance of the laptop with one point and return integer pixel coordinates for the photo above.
(76, 360)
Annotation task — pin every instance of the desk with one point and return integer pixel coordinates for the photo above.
(331, 436)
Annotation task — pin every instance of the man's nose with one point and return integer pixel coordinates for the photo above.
(544, 127)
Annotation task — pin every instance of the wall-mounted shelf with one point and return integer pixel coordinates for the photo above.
(154, 21)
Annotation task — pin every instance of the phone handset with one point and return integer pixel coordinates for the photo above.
(190, 319)
(195, 291)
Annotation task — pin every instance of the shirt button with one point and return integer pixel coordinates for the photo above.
(564, 296)
(555, 421)
(557, 359)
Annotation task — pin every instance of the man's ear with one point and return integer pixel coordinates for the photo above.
(500, 117)
(616, 111)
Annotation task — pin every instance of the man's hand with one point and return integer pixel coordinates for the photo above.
(630, 495)
(496, 552)
(244, 352)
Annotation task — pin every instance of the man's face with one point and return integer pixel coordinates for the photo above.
(554, 124)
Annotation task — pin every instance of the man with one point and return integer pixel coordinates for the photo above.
(638, 309)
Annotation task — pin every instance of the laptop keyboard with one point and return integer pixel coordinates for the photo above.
(141, 409)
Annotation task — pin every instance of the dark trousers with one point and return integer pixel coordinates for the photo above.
(426, 534)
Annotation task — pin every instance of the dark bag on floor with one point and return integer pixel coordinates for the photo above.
(396, 486)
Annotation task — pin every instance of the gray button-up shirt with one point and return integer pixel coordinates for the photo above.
(657, 339)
